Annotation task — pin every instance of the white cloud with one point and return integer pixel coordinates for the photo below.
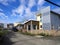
(13, 13)
(3, 15)
(6, 16)
(57, 10)
(18, 10)
(22, 2)
(31, 3)
(6, 2)
(41, 2)
(1, 21)
(1, 9)
(28, 14)
(22, 7)
(27, 10)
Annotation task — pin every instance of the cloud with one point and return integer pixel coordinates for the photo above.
(41, 2)
(28, 13)
(18, 10)
(1, 9)
(1, 21)
(23, 7)
(57, 10)
(22, 1)
(6, 2)
(27, 10)
(2, 15)
(31, 3)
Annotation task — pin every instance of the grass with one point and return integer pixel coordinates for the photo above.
(26, 33)
(3, 32)
(41, 34)
(44, 34)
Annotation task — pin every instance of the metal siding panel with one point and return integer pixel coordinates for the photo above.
(55, 20)
(46, 19)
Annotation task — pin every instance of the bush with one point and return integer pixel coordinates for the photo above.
(26, 33)
(29, 34)
(3, 32)
(0, 28)
(43, 34)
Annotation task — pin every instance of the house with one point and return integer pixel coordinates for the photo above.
(31, 25)
(20, 26)
(1, 25)
(15, 24)
(10, 26)
(48, 20)
(5, 25)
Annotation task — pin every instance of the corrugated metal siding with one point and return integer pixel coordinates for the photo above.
(55, 21)
(46, 21)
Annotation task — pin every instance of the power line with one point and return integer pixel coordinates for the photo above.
(52, 3)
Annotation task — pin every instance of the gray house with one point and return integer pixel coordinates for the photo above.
(1, 25)
(10, 25)
(55, 20)
(49, 20)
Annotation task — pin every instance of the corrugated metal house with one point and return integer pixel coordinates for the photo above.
(49, 20)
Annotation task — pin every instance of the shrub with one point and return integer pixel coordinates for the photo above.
(3, 32)
(26, 33)
(44, 34)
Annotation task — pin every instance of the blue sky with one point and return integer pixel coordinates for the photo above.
(20, 10)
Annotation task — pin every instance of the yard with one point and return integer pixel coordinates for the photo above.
(16, 38)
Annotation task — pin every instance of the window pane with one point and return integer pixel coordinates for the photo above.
(34, 27)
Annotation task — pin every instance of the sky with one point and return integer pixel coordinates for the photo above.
(12, 11)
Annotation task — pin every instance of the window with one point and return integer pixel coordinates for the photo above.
(40, 20)
(34, 27)
(40, 16)
(41, 26)
(52, 27)
(29, 27)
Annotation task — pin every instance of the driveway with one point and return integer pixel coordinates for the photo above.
(15, 38)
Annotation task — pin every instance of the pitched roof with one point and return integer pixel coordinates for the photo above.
(54, 13)
(30, 20)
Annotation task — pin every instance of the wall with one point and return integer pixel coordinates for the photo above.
(25, 25)
(38, 18)
(46, 21)
(33, 23)
(49, 32)
(1, 25)
(55, 21)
